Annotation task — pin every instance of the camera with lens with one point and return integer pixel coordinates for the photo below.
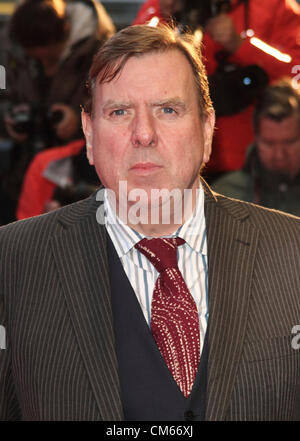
(38, 123)
(195, 13)
(233, 88)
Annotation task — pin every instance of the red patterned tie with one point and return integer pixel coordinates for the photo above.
(174, 316)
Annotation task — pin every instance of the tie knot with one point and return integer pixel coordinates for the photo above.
(162, 253)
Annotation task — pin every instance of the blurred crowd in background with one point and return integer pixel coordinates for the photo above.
(251, 50)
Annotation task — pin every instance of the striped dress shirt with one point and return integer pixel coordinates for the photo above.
(192, 259)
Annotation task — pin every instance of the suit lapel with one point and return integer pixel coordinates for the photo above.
(231, 253)
(81, 257)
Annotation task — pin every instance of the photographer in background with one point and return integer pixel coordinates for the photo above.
(271, 174)
(51, 44)
(229, 50)
(57, 42)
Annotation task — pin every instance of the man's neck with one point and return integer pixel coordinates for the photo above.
(165, 219)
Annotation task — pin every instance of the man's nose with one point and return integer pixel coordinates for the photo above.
(143, 130)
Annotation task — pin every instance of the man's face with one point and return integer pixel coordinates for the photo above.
(170, 7)
(146, 127)
(278, 145)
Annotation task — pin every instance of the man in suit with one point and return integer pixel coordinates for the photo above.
(100, 325)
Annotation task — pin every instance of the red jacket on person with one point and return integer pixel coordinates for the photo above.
(37, 188)
(276, 22)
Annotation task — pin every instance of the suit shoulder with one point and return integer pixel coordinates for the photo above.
(40, 228)
(265, 219)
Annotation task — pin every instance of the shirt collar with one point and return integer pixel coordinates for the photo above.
(193, 231)
(124, 238)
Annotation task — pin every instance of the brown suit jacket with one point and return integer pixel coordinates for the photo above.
(60, 361)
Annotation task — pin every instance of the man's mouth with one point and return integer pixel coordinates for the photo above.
(145, 168)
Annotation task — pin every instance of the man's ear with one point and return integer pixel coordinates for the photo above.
(88, 133)
(208, 132)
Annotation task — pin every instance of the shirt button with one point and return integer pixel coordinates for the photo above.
(189, 415)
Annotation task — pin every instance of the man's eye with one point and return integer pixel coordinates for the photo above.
(118, 112)
(168, 110)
